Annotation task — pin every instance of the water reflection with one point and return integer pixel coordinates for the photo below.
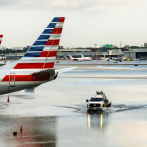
(101, 121)
(97, 120)
(38, 131)
(30, 90)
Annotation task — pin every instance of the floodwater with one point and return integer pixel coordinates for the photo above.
(55, 114)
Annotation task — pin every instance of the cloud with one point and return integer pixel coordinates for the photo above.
(67, 5)
(63, 4)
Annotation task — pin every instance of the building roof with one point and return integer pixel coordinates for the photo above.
(136, 50)
(75, 50)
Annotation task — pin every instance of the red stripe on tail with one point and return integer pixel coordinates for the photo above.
(57, 31)
(53, 42)
(52, 53)
(48, 53)
(61, 19)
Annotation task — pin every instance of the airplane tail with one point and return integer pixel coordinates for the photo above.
(42, 54)
(70, 57)
(37, 65)
(1, 37)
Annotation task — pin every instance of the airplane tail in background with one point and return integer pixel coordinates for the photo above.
(82, 56)
(70, 57)
(42, 54)
(1, 37)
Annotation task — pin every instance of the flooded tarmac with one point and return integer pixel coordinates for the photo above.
(55, 113)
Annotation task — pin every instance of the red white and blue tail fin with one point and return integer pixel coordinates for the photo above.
(36, 66)
(42, 54)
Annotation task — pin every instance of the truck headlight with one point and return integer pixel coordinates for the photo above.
(88, 105)
(101, 105)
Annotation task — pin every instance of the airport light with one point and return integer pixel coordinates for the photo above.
(58, 54)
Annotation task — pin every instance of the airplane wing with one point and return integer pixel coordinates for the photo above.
(64, 70)
(51, 72)
(59, 71)
(44, 73)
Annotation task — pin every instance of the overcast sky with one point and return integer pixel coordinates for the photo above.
(88, 22)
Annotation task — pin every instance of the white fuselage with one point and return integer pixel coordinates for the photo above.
(81, 59)
(15, 80)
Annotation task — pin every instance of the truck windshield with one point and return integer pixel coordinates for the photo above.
(97, 99)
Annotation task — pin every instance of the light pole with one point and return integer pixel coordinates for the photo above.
(58, 54)
(95, 52)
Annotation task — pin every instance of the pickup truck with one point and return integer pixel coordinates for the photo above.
(98, 102)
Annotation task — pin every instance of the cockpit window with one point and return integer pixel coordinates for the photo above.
(96, 99)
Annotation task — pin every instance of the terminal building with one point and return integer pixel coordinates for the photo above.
(64, 53)
(136, 54)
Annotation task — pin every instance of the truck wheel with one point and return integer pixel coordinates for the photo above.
(88, 110)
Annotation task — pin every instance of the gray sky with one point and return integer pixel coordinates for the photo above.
(87, 21)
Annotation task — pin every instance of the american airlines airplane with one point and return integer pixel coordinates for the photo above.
(80, 59)
(37, 65)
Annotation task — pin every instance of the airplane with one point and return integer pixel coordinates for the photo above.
(37, 65)
(80, 59)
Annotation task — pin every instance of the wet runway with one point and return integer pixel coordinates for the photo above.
(55, 113)
(101, 62)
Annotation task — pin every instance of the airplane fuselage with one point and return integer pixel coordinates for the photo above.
(15, 80)
(81, 59)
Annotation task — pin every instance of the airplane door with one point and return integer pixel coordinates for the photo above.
(12, 80)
